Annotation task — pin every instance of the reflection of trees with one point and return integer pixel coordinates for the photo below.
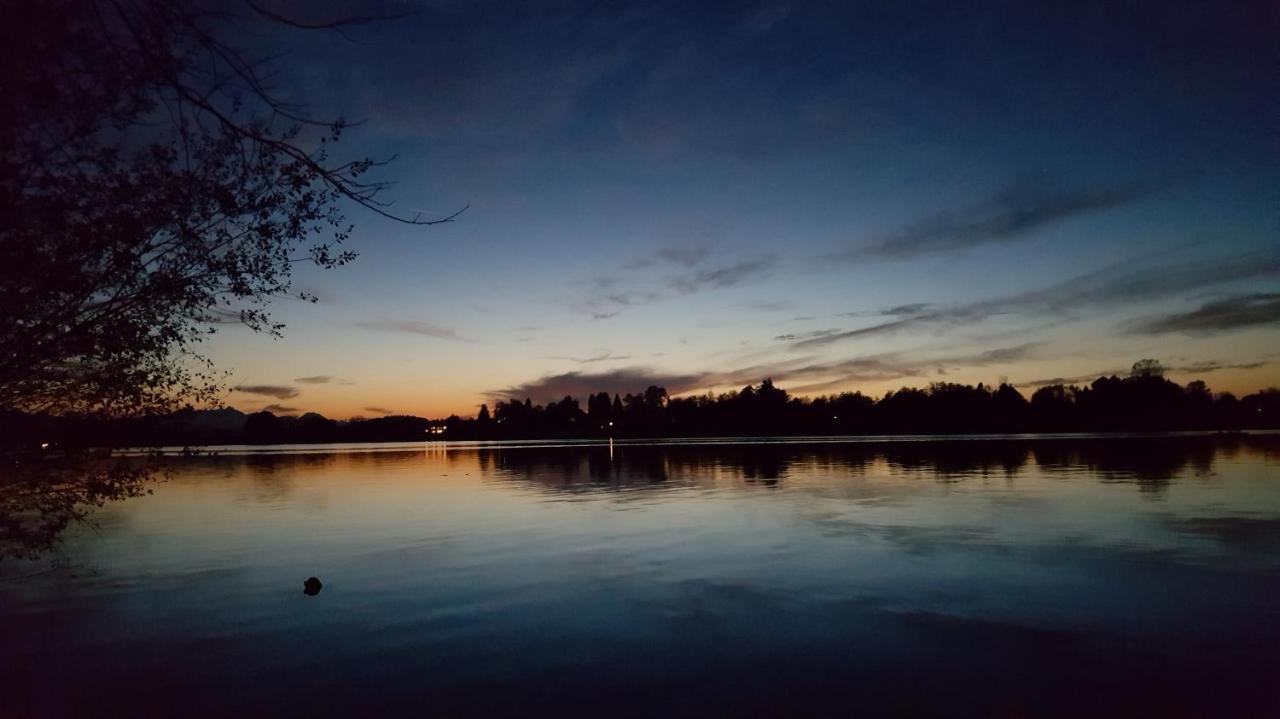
(957, 459)
(758, 464)
(1151, 462)
(39, 498)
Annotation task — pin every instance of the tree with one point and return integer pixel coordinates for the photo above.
(153, 187)
(1147, 368)
(655, 397)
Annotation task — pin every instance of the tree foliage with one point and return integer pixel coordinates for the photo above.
(152, 187)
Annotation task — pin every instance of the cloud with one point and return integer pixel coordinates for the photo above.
(1080, 378)
(1011, 215)
(678, 256)
(1119, 285)
(891, 366)
(415, 327)
(322, 379)
(877, 329)
(1228, 313)
(581, 384)
(725, 276)
(870, 369)
(279, 409)
(810, 376)
(999, 355)
(268, 390)
(604, 305)
(768, 305)
(899, 312)
(629, 299)
(914, 308)
(317, 379)
(605, 357)
(605, 300)
(379, 410)
(1214, 365)
(1203, 367)
(793, 336)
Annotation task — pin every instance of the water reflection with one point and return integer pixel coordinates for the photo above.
(1147, 462)
(40, 498)
(1020, 576)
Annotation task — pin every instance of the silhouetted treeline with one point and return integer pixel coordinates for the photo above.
(1144, 401)
(204, 428)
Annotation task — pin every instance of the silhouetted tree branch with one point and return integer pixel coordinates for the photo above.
(152, 186)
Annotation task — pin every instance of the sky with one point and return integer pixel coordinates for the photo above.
(843, 196)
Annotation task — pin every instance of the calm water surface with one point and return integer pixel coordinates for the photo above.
(974, 578)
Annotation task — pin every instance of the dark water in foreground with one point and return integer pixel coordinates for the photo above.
(970, 578)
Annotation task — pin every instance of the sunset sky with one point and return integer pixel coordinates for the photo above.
(854, 196)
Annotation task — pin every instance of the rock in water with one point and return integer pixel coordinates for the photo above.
(311, 587)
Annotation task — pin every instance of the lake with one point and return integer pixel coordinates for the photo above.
(969, 577)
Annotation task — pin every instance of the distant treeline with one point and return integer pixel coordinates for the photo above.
(192, 428)
(1143, 401)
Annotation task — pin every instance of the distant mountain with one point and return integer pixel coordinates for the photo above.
(227, 419)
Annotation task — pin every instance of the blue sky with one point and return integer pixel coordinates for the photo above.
(840, 196)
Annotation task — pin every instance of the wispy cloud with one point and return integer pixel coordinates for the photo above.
(1228, 313)
(891, 366)
(581, 384)
(1122, 284)
(1011, 215)
(414, 327)
(268, 390)
(883, 328)
(603, 357)
(1215, 365)
(1193, 368)
(677, 272)
(678, 256)
(279, 409)
(814, 334)
(805, 375)
(1077, 379)
(914, 308)
(379, 410)
(768, 305)
(323, 380)
(724, 276)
